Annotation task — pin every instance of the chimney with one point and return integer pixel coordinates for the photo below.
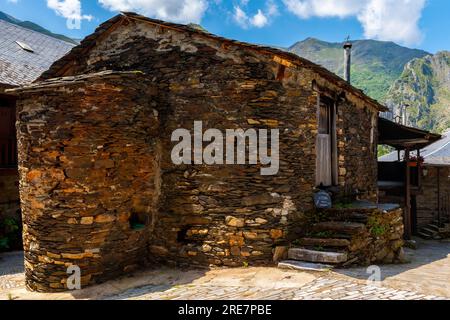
(348, 60)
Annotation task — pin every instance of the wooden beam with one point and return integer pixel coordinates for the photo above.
(407, 213)
(439, 194)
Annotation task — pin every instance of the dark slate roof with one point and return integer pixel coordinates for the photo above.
(60, 66)
(437, 153)
(17, 66)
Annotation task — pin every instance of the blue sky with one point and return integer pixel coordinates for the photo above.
(423, 24)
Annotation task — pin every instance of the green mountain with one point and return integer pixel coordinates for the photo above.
(424, 85)
(35, 27)
(376, 65)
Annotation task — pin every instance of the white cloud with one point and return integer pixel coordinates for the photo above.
(271, 8)
(240, 17)
(258, 20)
(324, 8)
(182, 11)
(394, 20)
(70, 9)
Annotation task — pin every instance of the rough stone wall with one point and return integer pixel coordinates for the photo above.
(230, 214)
(427, 201)
(357, 151)
(382, 239)
(88, 165)
(372, 235)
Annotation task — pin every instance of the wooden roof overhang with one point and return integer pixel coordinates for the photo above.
(402, 137)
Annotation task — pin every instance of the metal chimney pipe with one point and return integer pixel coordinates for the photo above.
(347, 60)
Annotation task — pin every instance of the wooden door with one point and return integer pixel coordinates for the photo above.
(324, 142)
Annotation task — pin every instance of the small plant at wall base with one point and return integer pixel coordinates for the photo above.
(10, 234)
(377, 229)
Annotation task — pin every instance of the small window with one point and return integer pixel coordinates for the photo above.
(24, 46)
(324, 119)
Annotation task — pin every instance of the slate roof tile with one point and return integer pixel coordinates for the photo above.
(17, 66)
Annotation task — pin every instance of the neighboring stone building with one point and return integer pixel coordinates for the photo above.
(98, 186)
(431, 202)
(24, 55)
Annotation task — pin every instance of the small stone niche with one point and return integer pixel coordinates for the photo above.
(139, 221)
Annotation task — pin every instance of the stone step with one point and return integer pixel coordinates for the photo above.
(324, 242)
(304, 266)
(444, 224)
(428, 231)
(317, 256)
(340, 227)
(349, 217)
(433, 227)
(424, 235)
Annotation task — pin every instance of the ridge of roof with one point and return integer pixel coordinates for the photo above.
(89, 42)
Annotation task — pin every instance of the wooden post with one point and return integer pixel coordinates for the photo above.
(407, 214)
(439, 195)
(419, 170)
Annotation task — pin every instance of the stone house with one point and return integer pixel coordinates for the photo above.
(24, 56)
(430, 202)
(99, 188)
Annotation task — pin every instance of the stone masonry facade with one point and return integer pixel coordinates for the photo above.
(98, 186)
(88, 165)
(433, 187)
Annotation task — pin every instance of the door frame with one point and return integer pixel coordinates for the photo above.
(332, 129)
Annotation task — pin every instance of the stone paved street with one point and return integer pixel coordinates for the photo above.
(321, 289)
(11, 270)
(425, 278)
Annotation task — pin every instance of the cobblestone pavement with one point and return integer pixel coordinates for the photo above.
(320, 289)
(11, 270)
(425, 278)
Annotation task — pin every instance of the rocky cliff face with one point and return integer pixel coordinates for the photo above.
(425, 86)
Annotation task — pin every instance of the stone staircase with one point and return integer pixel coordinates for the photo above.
(435, 232)
(326, 246)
